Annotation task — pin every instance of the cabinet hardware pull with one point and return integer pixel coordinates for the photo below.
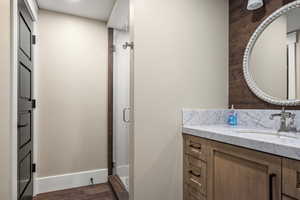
(298, 180)
(196, 182)
(22, 125)
(124, 115)
(271, 178)
(195, 147)
(195, 174)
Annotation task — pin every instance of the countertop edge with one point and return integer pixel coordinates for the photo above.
(265, 147)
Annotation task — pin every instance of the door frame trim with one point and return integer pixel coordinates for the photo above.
(132, 113)
(110, 99)
(14, 99)
(32, 8)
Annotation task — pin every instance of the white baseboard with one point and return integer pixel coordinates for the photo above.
(72, 180)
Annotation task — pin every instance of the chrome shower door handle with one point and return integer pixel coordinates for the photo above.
(124, 115)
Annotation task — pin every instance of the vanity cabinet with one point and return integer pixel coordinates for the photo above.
(287, 198)
(217, 171)
(196, 147)
(195, 170)
(291, 178)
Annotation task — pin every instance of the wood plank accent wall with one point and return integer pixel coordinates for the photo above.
(242, 23)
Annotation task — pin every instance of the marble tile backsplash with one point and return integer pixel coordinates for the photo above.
(204, 117)
(246, 118)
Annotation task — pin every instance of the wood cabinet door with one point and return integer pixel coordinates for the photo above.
(291, 178)
(240, 174)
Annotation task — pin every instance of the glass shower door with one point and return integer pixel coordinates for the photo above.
(121, 106)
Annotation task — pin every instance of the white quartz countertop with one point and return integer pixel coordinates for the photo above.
(264, 140)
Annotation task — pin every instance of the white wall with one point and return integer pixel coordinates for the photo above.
(72, 94)
(5, 94)
(181, 60)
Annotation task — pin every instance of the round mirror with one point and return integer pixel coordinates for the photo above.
(272, 57)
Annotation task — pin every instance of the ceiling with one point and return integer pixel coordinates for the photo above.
(95, 9)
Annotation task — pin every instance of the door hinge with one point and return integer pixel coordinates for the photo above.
(128, 44)
(33, 167)
(33, 39)
(113, 164)
(33, 101)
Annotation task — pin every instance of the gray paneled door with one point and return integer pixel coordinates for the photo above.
(25, 103)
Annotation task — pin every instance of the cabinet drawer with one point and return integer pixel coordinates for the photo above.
(192, 194)
(195, 174)
(196, 147)
(291, 178)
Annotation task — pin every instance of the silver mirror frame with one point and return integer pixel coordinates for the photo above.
(247, 55)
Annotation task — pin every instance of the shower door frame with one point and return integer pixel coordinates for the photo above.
(113, 178)
(110, 108)
(110, 102)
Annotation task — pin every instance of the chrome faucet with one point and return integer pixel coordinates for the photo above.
(286, 126)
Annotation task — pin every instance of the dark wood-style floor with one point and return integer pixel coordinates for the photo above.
(96, 192)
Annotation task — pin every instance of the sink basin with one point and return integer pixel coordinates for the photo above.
(268, 133)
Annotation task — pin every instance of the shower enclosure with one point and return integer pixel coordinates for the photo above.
(121, 96)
